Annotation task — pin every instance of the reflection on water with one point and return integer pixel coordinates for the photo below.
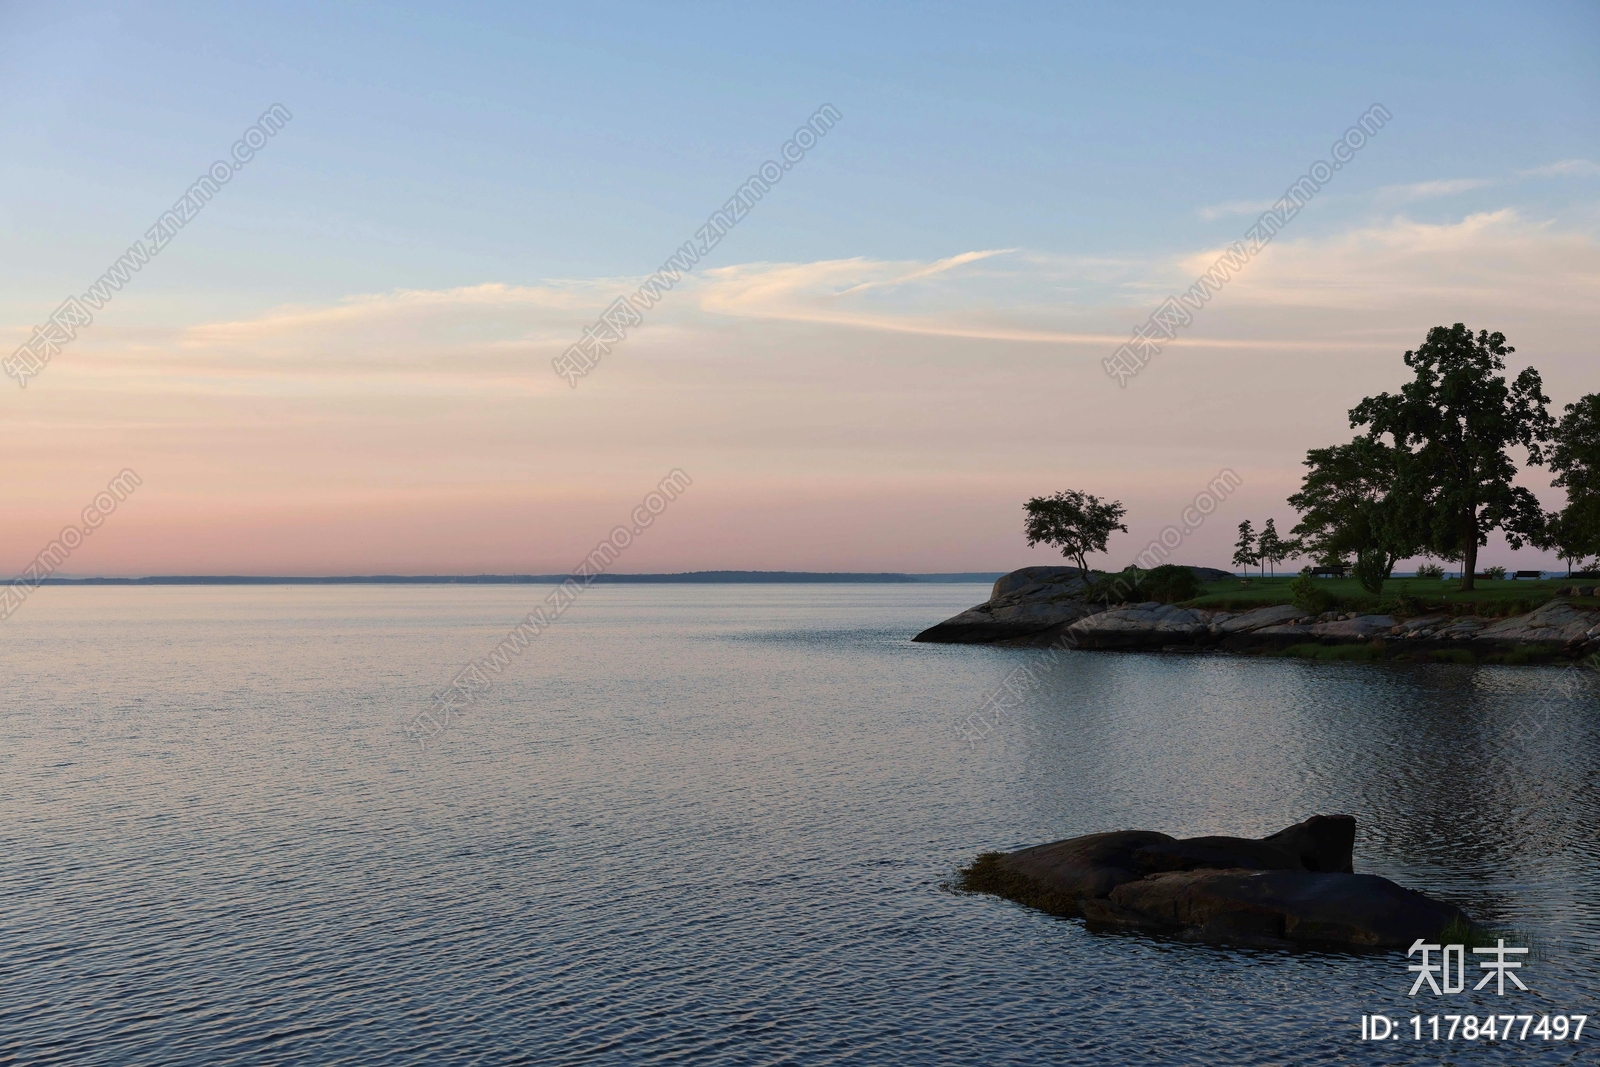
(710, 823)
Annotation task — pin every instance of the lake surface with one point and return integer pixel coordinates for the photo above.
(709, 825)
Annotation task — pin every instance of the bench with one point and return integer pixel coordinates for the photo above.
(1536, 575)
(1328, 572)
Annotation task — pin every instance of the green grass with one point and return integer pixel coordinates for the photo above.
(1503, 597)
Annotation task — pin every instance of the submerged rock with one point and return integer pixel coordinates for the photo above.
(1295, 887)
(1082, 867)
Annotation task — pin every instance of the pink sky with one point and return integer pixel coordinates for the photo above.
(842, 415)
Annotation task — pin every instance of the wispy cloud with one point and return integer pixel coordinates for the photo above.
(1411, 192)
(1429, 190)
(1489, 260)
(400, 304)
(939, 266)
(1583, 167)
(492, 337)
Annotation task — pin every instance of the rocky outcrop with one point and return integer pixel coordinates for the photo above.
(1024, 602)
(1560, 622)
(1141, 626)
(1027, 606)
(1026, 577)
(1039, 606)
(1296, 887)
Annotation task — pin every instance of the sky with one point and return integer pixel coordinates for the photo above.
(341, 363)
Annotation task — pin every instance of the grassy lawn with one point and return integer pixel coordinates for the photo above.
(1504, 597)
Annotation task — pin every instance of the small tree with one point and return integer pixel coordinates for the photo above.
(1271, 547)
(1075, 522)
(1244, 551)
(1571, 546)
(1371, 568)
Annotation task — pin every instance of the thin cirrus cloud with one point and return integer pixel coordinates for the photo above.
(1567, 167)
(1486, 261)
(1410, 192)
(1429, 190)
(499, 336)
(1386, 194)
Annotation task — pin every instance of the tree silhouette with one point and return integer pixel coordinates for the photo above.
(1453, 423)
(1244, 551)
(1075, 522)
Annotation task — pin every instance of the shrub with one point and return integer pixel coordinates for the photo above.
(1115, 588)
(1369, 571)
(1430, 570)
(1406, 604)
(1497, 573)
(1309, 596)
(1167, 583)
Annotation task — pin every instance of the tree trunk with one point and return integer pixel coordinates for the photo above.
(1469, 550)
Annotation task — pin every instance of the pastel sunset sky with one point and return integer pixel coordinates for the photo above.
(342, 363)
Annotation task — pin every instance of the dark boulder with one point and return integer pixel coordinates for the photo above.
(1215, 853)
(1274, 908)
(1082, 867)
(1296, 886)
(1322, 842)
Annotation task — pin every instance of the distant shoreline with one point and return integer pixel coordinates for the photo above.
(685, 578)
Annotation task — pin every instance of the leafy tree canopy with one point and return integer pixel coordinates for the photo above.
(1075, 522)
(1350, 503)
(1272, 548)
(1453, 423)
(1574, 531)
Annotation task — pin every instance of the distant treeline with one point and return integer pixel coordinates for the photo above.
(689, 577)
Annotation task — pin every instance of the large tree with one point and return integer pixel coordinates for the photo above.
(1574, 531)
(1075, 522)
(1351, 502)
(1453, 423)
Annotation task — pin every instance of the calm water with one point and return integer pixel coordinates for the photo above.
(709, 825)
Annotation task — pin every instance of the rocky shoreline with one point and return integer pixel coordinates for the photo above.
(1042, 606)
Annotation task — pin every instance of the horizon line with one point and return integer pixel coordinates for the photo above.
(702, 577)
